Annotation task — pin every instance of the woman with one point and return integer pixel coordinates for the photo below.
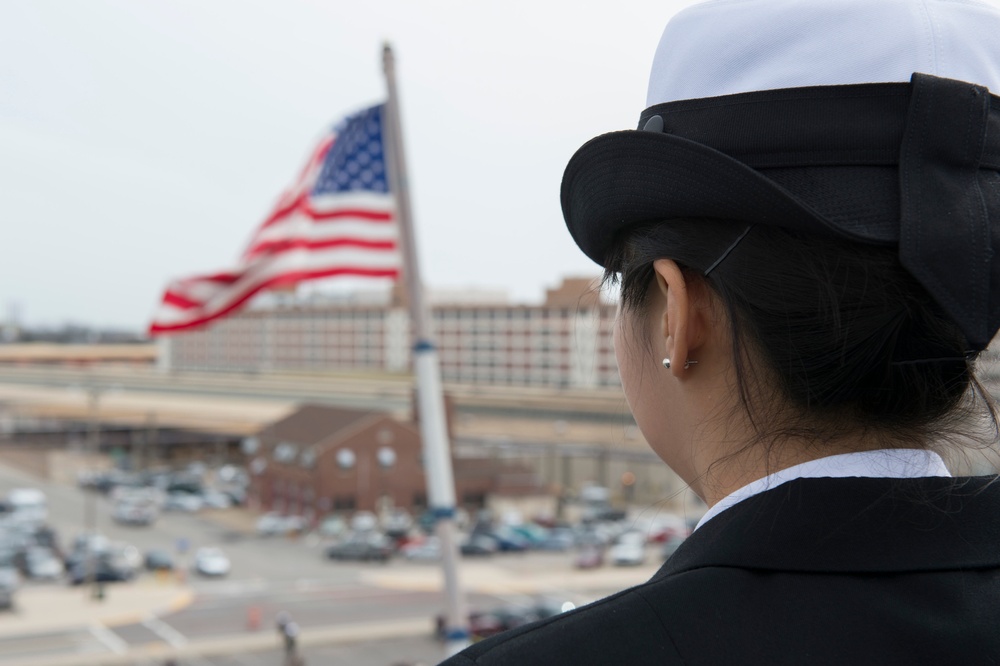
(806, 227)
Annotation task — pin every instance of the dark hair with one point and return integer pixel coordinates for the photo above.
(835, 330)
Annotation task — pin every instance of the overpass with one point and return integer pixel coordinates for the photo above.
(237, 404)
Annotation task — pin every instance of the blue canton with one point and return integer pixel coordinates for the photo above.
(356, 161)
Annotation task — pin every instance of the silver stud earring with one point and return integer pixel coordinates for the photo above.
(687, 364)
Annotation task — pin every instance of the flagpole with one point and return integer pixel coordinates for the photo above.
(430, 397)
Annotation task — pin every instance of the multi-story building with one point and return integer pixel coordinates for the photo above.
(564, 342)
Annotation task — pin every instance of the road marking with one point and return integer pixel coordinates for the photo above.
(108, 638)
(231, 587)
(173, 637)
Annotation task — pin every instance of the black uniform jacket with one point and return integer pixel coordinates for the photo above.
(815, 571)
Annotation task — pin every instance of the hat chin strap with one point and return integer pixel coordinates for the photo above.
(945, 236)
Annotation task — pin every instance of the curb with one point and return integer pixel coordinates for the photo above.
(106, 616)
(182, 601)
(240, 644)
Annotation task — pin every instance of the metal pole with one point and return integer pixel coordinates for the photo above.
(430, 398)
(90, 501)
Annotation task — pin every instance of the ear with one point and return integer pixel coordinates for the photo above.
(683, 320)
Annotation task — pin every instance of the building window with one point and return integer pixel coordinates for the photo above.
(344, 503)
(474, 500)
(285, 452)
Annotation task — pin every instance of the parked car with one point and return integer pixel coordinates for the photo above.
(98, 569)
(332, 527)
(214, 499)
(366, 547)
(479, 545)
(273, 523)
(9, 580)
(42, 564)
(9, 577)
(182, 501)
(424, 549)
(128, 512)
(558, 539)
(237, 496)
(589, 557)
(364, 521)
(158, 560)
(86, 546)
(483, 624)
(125, 556)
(397, 524)
(630, 549)
(507, 540)
(28, 505)
(534, 535)
(211, 562)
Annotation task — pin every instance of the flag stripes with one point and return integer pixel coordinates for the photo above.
(336, 219)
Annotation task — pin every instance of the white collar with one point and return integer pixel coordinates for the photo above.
(882, 463)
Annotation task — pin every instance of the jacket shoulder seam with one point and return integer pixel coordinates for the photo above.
(666, 631)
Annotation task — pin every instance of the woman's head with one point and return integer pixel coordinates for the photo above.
(845, 169)
(827, 339)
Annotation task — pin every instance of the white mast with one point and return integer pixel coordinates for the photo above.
(430, 397)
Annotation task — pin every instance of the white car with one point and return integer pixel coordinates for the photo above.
(183, 502)
(630, 550)
(134, 513)
(42, 564)
(213, 499)
(211, 562)
(364, 521)
(428, 549)
(273, 523)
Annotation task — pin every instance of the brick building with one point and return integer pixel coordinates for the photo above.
(323, 459)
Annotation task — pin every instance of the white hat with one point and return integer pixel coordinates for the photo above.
(723, 47)
(869, 119)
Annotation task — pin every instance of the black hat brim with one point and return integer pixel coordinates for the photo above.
(626, 178)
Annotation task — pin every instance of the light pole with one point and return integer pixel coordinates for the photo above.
(90, 501)
(386, 456)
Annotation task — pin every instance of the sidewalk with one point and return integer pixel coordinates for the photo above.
(500, 578)
(48, 609)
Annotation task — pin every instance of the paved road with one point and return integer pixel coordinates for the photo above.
(399, 652)
(225, 612)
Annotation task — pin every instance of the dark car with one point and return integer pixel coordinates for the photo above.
(483, 624)
(8, 586)
(508, 541)
(479, 545)
(158, 560)
(99, 570)
(365, 549)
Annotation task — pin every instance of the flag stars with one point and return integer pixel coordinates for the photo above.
(355, 160)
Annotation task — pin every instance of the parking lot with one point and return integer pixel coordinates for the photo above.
(346, 605)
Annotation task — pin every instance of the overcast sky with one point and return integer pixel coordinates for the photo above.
(144, 140)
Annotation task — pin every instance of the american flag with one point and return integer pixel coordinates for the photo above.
(337, 218)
